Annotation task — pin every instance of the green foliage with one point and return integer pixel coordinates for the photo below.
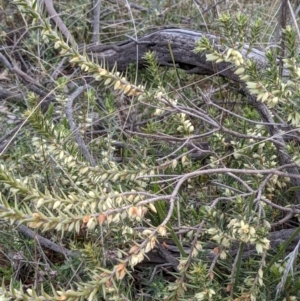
(110, 214)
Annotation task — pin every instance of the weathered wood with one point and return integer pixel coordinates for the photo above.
(179, 43)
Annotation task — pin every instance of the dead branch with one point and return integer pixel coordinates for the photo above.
(58, 21)
(74, 128)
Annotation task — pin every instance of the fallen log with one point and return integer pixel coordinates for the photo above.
(168, 44)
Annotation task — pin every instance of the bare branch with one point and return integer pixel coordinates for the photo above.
(74, 128)
(58, 21)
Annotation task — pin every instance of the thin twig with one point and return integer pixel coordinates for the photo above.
(96, 21)
(58, 21)
(44, 241)
(35, 86)
(74, 128)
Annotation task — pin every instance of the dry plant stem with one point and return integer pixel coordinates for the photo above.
(297, 10)
(201, 114)
(294, 18)
(198, 114)
(290, 263)
(24, 77)
(136, 39)
(196, 173)
(262, 265)
(11, 132)
(124, 297)
(74, 128)
(168, 257)
(212, 103)
(213, 263)
(3, 149)
(96, 21)
(283, 23)
(258, 193)
(156, 268)
(174, 152)
(4, 94)
(17, 71)
(135, 6)
(75, 273)
(233, 198)
(58, 69)
(283, 220)
(6, 63)
(183, 178)
(281, 208)
(80, 192)
(261, 188)
(257, 138)
(280, 146)
(193, 245)
(213, 6)
(165, 137)
(8, 135)
(58, 21)
(46, 260)
(44, 241)
(238, 179)
(236, 268)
